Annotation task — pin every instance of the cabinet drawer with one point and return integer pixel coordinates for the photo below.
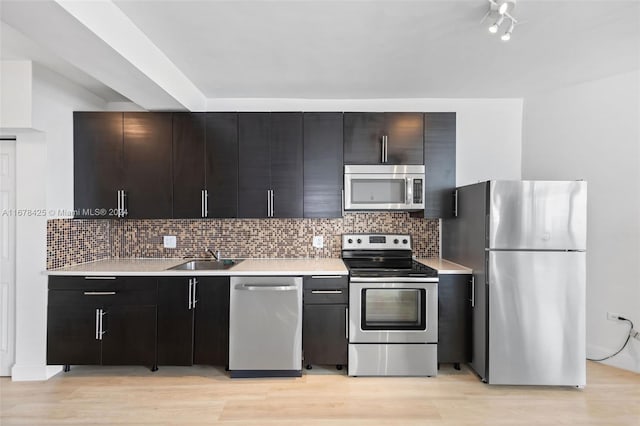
(108, 297)
(326, 289)
(103, 283)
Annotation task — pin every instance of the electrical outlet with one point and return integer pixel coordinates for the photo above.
(170, 241)
(318, 241)
(612, 316)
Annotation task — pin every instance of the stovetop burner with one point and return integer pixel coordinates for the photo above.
(378, 255)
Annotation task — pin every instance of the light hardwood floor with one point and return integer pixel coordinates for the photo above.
(205, 395)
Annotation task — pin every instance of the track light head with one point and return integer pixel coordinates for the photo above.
(507, 35)
(506, 6)
(496, 25)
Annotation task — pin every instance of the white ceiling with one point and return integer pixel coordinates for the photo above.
(358, 49)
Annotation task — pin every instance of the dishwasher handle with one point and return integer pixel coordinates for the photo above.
(266, 287)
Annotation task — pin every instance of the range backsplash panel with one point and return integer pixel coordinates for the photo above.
(72, 241)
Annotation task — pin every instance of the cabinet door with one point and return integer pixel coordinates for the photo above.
(71, 334)
(211, 325)
(440, 163)
(175, 322)
(324, 338)
(147, 165)
(254, 164)
(363, 133)
(287, 164)
(129, 335)
(454, 318)
(222, 164)
(323, 164)
(188, 164)
(405, 143)
(97, 161)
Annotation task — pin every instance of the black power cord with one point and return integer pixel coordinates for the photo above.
(626, 342)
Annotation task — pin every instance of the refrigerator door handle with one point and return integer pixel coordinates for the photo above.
(473, 291)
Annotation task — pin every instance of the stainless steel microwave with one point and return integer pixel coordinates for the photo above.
(383, 187)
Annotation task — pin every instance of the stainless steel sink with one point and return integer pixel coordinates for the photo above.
(206, 265)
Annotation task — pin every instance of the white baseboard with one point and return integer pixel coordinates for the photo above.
(628, 359)
(29, 373)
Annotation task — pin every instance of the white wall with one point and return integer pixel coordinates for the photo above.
(15, 87)
(592, 131)
(44, 181)
(54, 100)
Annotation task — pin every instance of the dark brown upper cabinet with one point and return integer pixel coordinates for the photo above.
(205, 165)
(323, 164)
(122, 165)
(97, 163)
(270, 165)
(189, 138)
(440, 163)
(147, 172)
(383, 138)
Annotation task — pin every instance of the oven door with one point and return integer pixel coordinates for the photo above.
(393, 312)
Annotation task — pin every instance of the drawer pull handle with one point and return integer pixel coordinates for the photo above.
(319, 277)
(99, 278)
(99, 293)
(326, 291)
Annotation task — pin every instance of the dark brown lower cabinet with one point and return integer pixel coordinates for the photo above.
(324, 321)
(454, 319)
(193, 320)
(102, 321)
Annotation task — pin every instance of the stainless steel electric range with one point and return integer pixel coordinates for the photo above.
(393, 307)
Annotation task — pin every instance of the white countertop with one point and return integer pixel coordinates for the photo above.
(444, 266)
(160, 267)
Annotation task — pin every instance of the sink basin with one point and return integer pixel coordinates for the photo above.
(206, 265)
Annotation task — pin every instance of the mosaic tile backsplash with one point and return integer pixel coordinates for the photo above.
(72, 241)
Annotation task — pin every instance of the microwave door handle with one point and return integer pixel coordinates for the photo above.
(407, 192)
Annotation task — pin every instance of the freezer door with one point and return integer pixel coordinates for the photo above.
(537, 318)
(538, 215)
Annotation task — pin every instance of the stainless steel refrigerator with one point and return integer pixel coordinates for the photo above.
(526, 243)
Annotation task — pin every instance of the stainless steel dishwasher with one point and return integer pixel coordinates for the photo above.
(265, 327)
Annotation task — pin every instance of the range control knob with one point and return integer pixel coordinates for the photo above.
(359, 241)
(405, 241)
(395, 241)
(350, 241)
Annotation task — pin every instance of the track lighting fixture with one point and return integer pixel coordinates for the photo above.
(501, 10)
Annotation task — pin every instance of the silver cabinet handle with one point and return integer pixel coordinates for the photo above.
(202, 203)
(101, 332)
(473, 291)
(268, 203)
(99, 278)
(99, 293)
(206, 203)
(346, 323)
(118, 212)
(455, 203)
(382, 149)
(326, 291)
(195, 287)
(266, 287)
(321, 277)
(189, 304)
(386, 148)
(272, 210)
(342, 201)
(124, 203)
(97, 324)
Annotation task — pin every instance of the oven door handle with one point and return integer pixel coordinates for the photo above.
(393, 280)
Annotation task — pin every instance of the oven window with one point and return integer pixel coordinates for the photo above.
(393, 309)
(377, 191)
